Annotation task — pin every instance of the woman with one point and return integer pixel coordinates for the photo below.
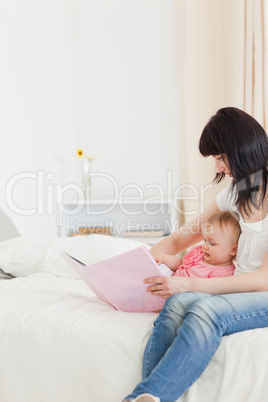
(201, 311)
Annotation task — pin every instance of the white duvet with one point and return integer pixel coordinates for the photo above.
(59, 343)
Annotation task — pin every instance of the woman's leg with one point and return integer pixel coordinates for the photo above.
(206, 321)
(166, 328)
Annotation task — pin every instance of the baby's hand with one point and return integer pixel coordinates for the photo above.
(172, 261)
(160, 259)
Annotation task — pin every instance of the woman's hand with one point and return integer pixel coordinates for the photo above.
(168, 286)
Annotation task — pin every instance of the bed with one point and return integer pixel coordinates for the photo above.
(60, 343)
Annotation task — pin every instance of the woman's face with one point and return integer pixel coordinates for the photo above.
(221, 164)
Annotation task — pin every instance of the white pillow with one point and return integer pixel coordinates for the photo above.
(23, 256)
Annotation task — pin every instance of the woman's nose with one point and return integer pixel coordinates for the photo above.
(220, 166)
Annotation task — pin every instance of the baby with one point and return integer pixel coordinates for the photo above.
(214, 258)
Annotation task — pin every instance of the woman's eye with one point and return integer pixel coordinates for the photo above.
(212, 244)
(219, 158)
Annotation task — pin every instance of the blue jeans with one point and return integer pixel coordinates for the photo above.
(187, 333)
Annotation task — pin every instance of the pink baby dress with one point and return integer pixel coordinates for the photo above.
(193, 266)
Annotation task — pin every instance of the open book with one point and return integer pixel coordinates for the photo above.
(119, 280)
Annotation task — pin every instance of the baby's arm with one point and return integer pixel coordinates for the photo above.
(172, 261)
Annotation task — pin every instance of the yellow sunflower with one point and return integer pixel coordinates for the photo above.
(79, 153)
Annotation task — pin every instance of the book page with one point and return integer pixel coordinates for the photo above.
(166, 271)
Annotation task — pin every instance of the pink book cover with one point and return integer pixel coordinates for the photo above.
(119, 280)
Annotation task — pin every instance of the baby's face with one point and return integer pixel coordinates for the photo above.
(218, 246)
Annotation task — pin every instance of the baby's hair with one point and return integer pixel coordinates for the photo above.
(226, 218)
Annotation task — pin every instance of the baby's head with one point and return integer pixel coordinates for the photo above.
(221, 232)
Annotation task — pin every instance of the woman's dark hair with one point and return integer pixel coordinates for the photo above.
(235, 135)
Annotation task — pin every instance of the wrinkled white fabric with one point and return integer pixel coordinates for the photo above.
(60, 343)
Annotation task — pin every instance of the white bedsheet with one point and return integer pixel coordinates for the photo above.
(59, 343)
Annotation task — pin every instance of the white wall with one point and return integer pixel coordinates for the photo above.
(100, 75)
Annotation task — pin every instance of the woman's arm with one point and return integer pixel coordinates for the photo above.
(249, 282)
(186, 236)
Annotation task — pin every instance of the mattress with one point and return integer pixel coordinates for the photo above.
(60, 343)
